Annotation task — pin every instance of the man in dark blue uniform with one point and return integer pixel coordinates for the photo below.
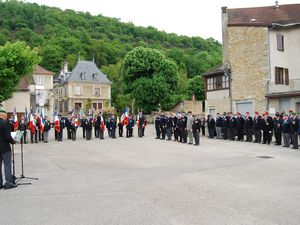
(163, 124)
(157, 126)
(277, 128)
(113, 126)
(248, 127)
(232, 127)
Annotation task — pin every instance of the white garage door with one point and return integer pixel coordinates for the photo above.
(244, 107)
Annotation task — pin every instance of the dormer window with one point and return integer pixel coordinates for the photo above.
(82, 76)
(95, 75)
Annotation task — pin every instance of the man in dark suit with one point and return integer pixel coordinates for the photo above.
(267, 125)
(5, 152)
(294, 126)
(232, 127)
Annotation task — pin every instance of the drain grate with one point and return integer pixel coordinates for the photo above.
(265, 157)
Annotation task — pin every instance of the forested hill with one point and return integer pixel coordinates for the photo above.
(63, 35)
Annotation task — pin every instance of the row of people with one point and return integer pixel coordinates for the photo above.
(184, 128)
(261, 127)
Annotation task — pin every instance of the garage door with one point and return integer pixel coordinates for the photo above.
(244, 107)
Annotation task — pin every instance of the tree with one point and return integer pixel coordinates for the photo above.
(16, 61)
(196, 87)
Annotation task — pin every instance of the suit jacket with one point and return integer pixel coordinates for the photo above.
(5, 137)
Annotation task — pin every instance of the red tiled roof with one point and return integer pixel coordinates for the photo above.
(24, 83)
(264, 16)
(42, 71)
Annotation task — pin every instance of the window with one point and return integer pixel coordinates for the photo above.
(82, 76)
(66, 91)
(77, 90)
(280, 42)
(78, 106)
(97, 105)
(281, 75)
(60, 106)
(95, 75)
(217, 83)
(40, 80)
(66, 105)
(97, 91)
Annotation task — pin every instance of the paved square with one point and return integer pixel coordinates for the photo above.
(143, 181)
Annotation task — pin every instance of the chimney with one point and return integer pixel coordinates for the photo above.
(224, 9)
(276, 5)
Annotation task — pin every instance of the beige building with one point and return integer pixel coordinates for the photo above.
(74, 89)
(242, 83)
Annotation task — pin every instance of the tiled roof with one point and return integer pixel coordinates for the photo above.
(24, 83)
(217, 70)
(42, 71)
(264, 16)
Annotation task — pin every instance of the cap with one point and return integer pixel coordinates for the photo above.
(294, 114)
(290, 110)
(277, 114)
(267, 113)
(239, 113)
(256, 112)
(247, 113)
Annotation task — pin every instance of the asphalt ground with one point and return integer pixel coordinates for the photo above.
(144, 181)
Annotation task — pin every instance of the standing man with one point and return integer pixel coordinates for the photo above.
(267, 125)
(196, 130)
(89, 127)
(157, 126)
(178, 127)
(47, 128)
(240, 127)
(286, 131)
(62, 127)
(277, 129)
(97, 126)
(113, 126)
(183, 128)
(211, 124)
(83, 123)
(68, 124)
(23, 127)
(219, 125)
(203, 124)
(257, 127)
(232, 127)
(294, 126)
(175, 118)
(163, 124)
(248, 127)
(225, 126)
(189, 127)
(5, 152)
(141, 123)
(120, 126)
(169, 127)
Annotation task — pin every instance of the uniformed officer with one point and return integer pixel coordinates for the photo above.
(83, 123)
(183, 128)
(257, 127)
(211, 125)
(68, 127)
(120, 126)
(294, 126)
(169, 127)
(23, 127)
(286, 132)
(73, 129)
(47, 128)
(178, 127)
(97, 125)
(174, 122)
(141, 123)
(248, 127)
(267, 125)
(232, 127)
(277, 128)
(89, 127)
(240, 127)
(225, 125)
(113, 126)
(62, 127)
(163, 123)
(157, 125)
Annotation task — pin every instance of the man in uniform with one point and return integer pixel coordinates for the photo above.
(183, 128)
(203, 124)
(89, 127)
(240, 127)
(267, 125)
(189, 127)
(69, 127)
(196, 130)
(23, 127)
(219, 125)
(294, 126)
(277, 129)
(178, 127)
(225, 125)
(83, 122)
(163, 123)
(175, 118)
(120, 126)
(47, 128)
(62, 127)
(286, 132)
(211, 125)
(141, 123)
(248, 127)
(232, 127)
(113, 126)
(5, 151)
(157, 126)
(169, 127)
(257, 127)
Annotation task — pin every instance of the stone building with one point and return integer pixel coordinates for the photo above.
(248, 56)
(85, 83)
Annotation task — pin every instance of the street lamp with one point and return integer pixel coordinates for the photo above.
(227, 73)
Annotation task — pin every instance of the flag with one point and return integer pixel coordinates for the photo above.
(56, 122)
(124, 117)
(32, 126)
(42, 121)
(76, 121)
(16, 123)
(93, 115)
(26, 116)
(102, 124)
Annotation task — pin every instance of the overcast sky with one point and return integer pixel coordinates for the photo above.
(183, 17)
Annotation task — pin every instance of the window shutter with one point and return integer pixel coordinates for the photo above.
(279, 38)
(276, 75)
(286, 76)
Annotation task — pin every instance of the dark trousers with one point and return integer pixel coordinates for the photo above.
(69, 133)
(129, 132)
(140, 131)
(113, 132)
(278, 137)
(267, 137)
(196, 137)
(55, 134)
(225, 133)
(88, 134)
(60, 135)
(184, 135)
(143, 131)
(203, 130)
(169, 133)
(163, 133)
(36, 136)
(6, 159)
(157, 128)
(83, 132)
(24, 138)
(294, 137)
(101, 134)
(240, 134)
(257, 136)
(120, 131)
(32, 137)
(249, 134)
(97, 132)
(73, 134)
(211, 132)
(179, 134)
(231, 134)
(175, 134)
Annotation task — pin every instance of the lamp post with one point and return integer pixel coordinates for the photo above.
(227, 73)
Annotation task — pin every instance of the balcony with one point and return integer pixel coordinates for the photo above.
(281, 90)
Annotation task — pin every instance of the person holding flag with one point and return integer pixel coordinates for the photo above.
(32, 128)
(102, 126)
(47, 128)
(74, 126)
(57, 127)
(120, 125)
(141, 123)
(42, 125)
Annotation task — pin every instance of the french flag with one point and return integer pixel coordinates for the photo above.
(102, 124)
(76, 122)
(124, 117)
(56, 122)
(32, 126)
(42, 124)
(16, 123)
(26, 116)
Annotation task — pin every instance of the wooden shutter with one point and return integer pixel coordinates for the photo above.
(286, 76)
(276, 75)
(280, 46)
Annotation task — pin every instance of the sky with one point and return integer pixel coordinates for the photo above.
(183, 17)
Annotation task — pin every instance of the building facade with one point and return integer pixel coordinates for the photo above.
(248, 55)
(85, 84)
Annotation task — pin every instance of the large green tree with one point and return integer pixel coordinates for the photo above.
(196, 87)
(16, 61)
